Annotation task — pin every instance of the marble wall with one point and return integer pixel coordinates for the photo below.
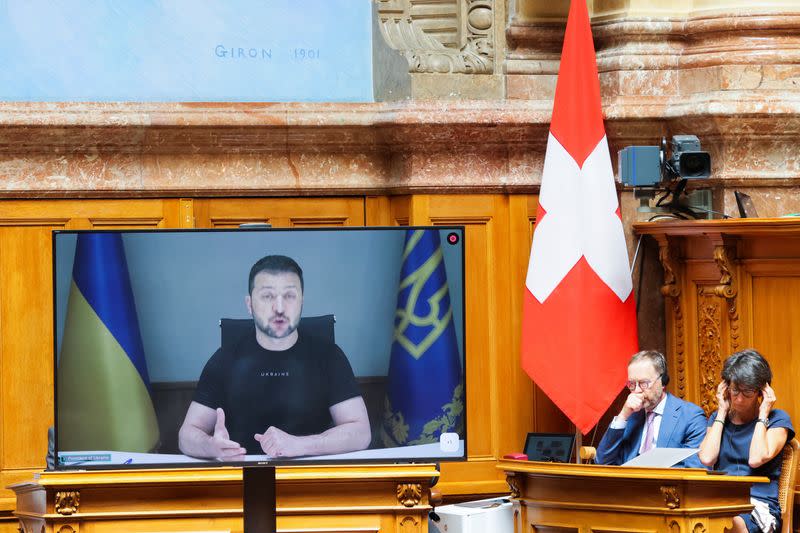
(727, 71)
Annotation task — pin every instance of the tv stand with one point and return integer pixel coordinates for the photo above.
(258, 499)
(375, 497)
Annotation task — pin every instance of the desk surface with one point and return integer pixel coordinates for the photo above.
(103, 458)
(622, 472)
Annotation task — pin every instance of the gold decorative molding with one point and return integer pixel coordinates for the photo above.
(408, 524)
(726, 287)
(67, 502)
(671, 497)
(65, 529)
(724, 258)
(671, 289)
(699, 527)
(674, 527)
(409, 494)
(709, 312)
(514, 485)
(679, 348)
(441, 36)
(733, 324)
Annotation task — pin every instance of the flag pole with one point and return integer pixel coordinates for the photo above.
(578, 445)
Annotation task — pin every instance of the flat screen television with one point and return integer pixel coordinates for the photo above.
(258, 346)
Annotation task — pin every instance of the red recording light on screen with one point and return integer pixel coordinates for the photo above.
(452, 238)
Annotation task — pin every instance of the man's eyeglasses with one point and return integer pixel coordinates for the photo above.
(643, 384)
(747, 393)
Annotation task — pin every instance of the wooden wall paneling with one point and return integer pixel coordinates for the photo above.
(186, 213)
(26, 315)
(280, 212)
(26, 350)
(489, 319)
(776, 326)
(546, 416)
(526, 395)
(377, 211)
(530, 401)
(87, 214)
(387, 211)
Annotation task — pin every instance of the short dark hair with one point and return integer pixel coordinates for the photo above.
(747, 368)
(274, 264)
(657, 359)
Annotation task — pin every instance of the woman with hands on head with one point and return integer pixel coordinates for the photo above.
(746, 435)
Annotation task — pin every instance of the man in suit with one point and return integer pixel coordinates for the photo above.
(651, 417)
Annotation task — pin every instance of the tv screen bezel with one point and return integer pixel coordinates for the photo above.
(271, 462)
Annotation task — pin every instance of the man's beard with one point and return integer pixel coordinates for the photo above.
(267, 330)
(650, 404)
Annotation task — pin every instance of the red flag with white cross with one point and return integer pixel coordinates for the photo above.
(579, 314)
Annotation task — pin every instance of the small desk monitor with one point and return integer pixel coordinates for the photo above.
(549, 447)
(745, 205)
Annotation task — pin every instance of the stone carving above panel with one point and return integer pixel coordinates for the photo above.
(441, 36)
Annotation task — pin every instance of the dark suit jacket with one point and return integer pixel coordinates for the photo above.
(683, 425)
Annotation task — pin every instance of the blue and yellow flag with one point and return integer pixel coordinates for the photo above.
(102, 384)
(425, 395)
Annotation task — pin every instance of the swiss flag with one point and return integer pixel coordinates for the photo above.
(579, 315)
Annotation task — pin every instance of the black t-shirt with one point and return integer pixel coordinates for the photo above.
(291, 389)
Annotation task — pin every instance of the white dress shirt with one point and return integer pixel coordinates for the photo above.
(659, 411)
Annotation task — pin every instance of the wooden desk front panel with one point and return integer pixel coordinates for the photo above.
(385, 499)
(588, 498)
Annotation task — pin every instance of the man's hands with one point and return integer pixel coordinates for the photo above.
(278, 443)
(221, 445)
(767, 401)
(723, 401)
(633, 404)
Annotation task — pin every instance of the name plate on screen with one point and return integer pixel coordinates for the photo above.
(77, 458)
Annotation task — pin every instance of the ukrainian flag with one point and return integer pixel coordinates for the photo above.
(425, 394)
(102, 383)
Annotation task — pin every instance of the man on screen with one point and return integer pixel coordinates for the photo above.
(276, 393)
(651, 417)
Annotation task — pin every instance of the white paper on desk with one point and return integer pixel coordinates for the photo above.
(662, 457)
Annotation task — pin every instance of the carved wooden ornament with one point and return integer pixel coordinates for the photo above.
(67, 502)
(409, 494)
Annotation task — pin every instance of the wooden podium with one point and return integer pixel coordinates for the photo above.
(562, 498)
(376, 498)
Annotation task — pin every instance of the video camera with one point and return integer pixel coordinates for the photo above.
(648, 170)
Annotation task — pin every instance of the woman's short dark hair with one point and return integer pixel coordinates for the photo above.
(747, 368)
